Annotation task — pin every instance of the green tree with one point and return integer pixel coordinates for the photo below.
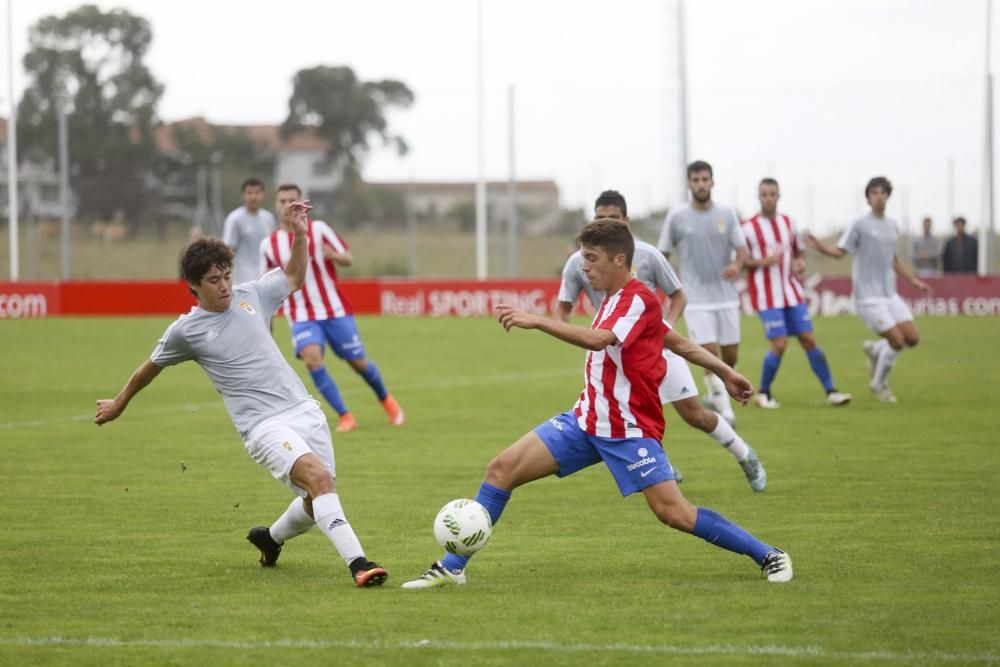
(92, 61)
(345, 111)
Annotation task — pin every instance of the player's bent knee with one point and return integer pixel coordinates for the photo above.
(310, 474)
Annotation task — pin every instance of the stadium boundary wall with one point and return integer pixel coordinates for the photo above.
(953, 296)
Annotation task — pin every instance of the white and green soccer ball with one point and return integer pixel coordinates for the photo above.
(463, 527)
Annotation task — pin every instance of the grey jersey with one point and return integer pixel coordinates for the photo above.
(648, 265)
(243, 232)
(872, 241)
(237, 352)
(704, 241)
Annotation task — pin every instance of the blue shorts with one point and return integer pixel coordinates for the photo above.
(790, 321)
(341, 333)
(635, 463)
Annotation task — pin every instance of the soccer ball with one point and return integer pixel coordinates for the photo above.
(463, 527)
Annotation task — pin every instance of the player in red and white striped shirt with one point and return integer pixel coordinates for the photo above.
(319, 313)
(618, 417)
(775, 257)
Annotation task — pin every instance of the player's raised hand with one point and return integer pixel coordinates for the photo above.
(510, 317)
(300, 212)
(739, 387)
(108, 410)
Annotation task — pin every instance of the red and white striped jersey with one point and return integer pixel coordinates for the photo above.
(320, 297)
(620, 397)
(773, 286)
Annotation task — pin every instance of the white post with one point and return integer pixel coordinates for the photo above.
(512, 221)
(682, 101)
(986, 230)
(12, 149)
(64, 185)
(480, 150)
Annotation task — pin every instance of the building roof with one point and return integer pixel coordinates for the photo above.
(267, 137)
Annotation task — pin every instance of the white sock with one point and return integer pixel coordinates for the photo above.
(886, 358)
(331, 520)
(730, 439)
(717, 395)
(292, 523)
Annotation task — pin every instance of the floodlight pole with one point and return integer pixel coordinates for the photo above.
(512, 221)
(12, 213)
(682, 101)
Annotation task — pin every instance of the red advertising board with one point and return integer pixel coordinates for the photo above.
(953, 295)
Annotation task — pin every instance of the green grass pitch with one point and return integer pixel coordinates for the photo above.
(114, 553)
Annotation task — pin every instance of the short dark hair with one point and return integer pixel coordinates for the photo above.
(612, 198)
(200, 256)
(700, 165)
(612, 235)
(958, 219)
(252, 182)
(768, 181)
(878, 182)
(290, 186)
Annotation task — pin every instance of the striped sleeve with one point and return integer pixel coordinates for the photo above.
(625, 321)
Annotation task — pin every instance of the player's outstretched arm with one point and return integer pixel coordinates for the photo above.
(738, 386)
(109, 409)
(829, 250)
(297, 264)
(904, 272)
(589, 339)
(340, 258)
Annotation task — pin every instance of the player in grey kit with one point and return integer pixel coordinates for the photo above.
(283, 428)
(678, 387)
(705, 236)
(245, 228)
(872, 240)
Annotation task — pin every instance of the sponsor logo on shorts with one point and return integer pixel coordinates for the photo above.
(247, 307)
(640, 463)
(555, 422)
(646, 472)
(287, 445)
(302, 335)
(642, 452)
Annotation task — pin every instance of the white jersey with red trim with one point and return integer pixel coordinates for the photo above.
(620, 398)
(320, 297)
(772, 286)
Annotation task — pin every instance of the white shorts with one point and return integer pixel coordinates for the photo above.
(278, 442)
(884, 315)
(720, 326)
(679, 383)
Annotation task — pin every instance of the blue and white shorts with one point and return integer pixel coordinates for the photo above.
(790, 321)
(635, 463)
(340, 332)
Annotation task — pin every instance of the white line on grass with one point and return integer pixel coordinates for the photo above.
(557, 647)
(190, 407)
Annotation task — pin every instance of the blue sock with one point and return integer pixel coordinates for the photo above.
(822, 369)
(771, 363)
(328, 388)
(494, 499)
(716, 529)
(374, 380)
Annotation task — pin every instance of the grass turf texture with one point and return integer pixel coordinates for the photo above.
(110, 553)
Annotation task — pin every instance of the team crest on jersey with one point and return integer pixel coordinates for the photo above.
(721, 224)
(247, 307)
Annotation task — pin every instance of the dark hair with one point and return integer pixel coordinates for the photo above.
(878, 182)
(290, 186)
(700, 165)
(612, 198)
(611, 235)
(252, 183)
(958, 220)
(200, 256)
(768, 181)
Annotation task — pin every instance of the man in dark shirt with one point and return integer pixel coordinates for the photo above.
(961, 251)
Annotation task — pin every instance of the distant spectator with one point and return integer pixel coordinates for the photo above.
(245, 228)
(926, 252)
(961, 251)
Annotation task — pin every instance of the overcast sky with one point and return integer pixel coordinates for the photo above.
(821, 94)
